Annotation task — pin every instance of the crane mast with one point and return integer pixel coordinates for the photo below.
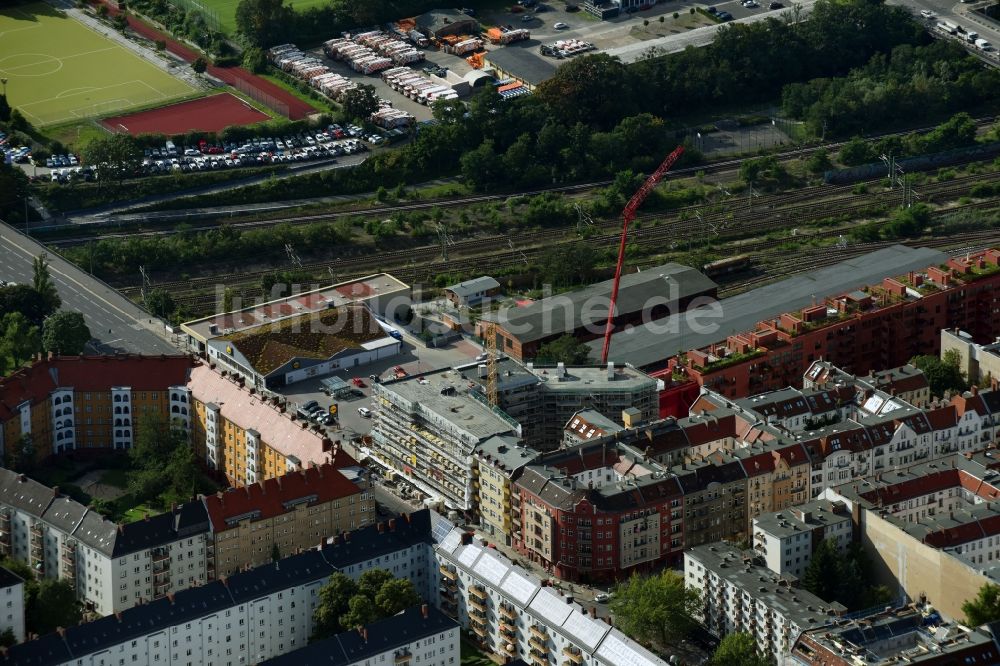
(628, 214)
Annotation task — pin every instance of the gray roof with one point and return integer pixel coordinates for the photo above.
(799, 606)
(523, 61)
(438, 19)
(802, 518)
(24, 493)
(473, 286)
(64, 513)
(657, 341)
(637, 292)
(503, 451)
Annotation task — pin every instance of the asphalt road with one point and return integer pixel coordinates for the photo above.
(118, 325)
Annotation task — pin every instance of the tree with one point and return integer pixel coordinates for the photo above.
(275, 552)
(54, 605)
(41, 282)
(361, 611)
(19, 338)
(984, 608)
(943, 374)
(7, 638)
(360, 102)
(856, 151)
(199, 65)
(22, 298)
(65, 333)
(372, 581)
(14, 186)
(334, 599)
(262, 23)
(160, 302)
(655, 608)
(254, 59)
(20, 454)
(819, 162)
(157, 465)
(115, 157)
(824, 575)
(4, 108)
(396, 595)
(19, 122)
(593, 89)
(566, 349)
(738, 649)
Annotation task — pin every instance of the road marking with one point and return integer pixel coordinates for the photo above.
(54, 269)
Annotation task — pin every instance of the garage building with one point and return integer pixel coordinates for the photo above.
(439, 23)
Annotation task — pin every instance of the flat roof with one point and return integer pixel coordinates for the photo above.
(655, 286)
(657, 341)
(803, 518)
(523, 61)
(445, 394)
(379, 284)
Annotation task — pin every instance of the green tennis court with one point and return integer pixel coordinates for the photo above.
(223, 12)
(58, 69)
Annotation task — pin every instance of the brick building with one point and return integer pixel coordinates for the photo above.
(877, 327)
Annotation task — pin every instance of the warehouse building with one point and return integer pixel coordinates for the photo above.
(521, 62)
(279, 353)
(384, 295)
(646, 296)
(439, 23)
(472, 292)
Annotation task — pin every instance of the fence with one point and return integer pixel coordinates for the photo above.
(980, 151)
(210, 15)
(258, 95)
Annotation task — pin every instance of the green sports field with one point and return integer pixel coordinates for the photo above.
(223, 12)
(58, 69)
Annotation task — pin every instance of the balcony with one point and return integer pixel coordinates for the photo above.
(509, 649)
(477, 606)
(539, 632)
(508, 630)
(478, 627)
(508, 613)
(573, 655)
(402, 658)
(448, 574)
(478, 592)
(538, 645)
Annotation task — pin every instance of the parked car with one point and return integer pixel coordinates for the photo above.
(527, 18)
(725, 16)
(311, 406)
(357, 381)
(751, 4)
(603, 597)
(560, 26)
(775, 5)
(365, 412)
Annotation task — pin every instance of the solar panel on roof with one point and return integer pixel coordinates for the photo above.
(586, 631)
(491, 568)
(469, 555)
(552, 607)
(616, 651)
(450, 542)
(518, 587)
(441, 527)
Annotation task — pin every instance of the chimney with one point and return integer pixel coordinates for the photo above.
(560, 370)
(21, 478)
(381, 527)
(392, 524)
(975, 390)
(593, 612)
(118, 615)
(611, 370)
(173, 507)
(364, 634)
(347, 536)
(121, 528)
(170, 597)
(55, 491)
(424, 611)
(59, 630)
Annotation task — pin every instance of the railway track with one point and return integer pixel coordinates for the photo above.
(714, 168)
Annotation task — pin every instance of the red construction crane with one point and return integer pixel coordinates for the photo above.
(627, 216)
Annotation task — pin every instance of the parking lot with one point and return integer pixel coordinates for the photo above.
(414, 359)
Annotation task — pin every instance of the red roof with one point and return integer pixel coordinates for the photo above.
(942, 418)
(971, 403)
(91, 373)
(270, 498)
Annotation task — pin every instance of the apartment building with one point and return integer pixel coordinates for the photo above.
(500, 460)
(427, 427)
(247, 436)
(513, 614)
(786, 539)
(911, 635)
(596, 510)
(418, 635)
(932, 530)
(879, 326)
(740, 596)
(283, 515)
(12, 603)
(67, 403)
(245, 618)
(543, 398)
(979, 363)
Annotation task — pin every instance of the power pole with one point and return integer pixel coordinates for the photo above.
(145, 283)
(490, 333)
(292, 257)
(445, 241)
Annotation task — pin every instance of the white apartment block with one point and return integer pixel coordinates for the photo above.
(786, 539)
(418, 635)
(512, 614)
(11, 603)
(112, 567)
(739, 596)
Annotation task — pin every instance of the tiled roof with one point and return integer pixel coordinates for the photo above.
(317, 336)
(90, 373)
(275, 496)
(250, 411)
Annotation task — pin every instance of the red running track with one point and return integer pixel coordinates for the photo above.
(297, 109)
(208, 114)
